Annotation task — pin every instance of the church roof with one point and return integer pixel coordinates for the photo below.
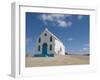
(46, 29)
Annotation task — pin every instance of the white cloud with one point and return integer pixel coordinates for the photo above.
(57, 19)
(85, 48)
(87, 45)
(47, 17)
(79, 17)
(70, 39)
(69, 23)
(64, 23)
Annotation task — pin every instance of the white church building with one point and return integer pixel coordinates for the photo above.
(47, 44)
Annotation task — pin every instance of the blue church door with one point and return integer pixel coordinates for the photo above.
(44, 49)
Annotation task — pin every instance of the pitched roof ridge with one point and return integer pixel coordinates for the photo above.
(46, 29)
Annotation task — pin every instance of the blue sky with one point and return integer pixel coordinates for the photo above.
(72, 30)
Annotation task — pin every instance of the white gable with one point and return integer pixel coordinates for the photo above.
(48, 32)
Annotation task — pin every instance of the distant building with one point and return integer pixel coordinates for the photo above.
(47, 44)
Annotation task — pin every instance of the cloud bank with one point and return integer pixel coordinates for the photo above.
(56, 19)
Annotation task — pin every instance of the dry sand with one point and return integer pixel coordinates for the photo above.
(58, 60)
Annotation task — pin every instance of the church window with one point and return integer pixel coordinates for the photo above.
(51, 39)
(39, 40)
(39, 48)
(50, 47)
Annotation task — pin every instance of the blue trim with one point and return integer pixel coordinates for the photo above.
(45, 49)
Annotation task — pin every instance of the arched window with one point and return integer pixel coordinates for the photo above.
(51, 39)
(39, 40)
(50, 47)
(39, 48)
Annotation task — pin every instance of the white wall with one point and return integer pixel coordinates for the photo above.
(5, 41)
(59, 45)
(45, 39)
(56, 44)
